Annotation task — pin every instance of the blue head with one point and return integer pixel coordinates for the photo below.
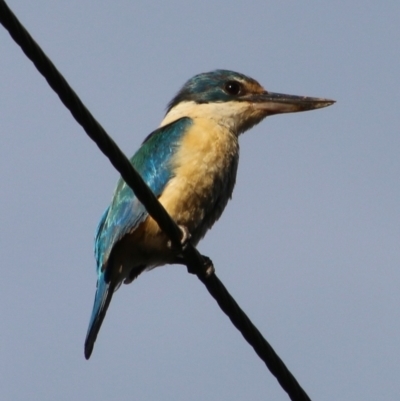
(235, 100)
(216, 86)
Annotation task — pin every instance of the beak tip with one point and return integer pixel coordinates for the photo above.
(325, 103)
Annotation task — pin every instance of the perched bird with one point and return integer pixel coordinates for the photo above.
(190, 164)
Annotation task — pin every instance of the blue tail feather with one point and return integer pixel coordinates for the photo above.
(104, 293)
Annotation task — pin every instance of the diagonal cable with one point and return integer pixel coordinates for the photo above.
(194, 261)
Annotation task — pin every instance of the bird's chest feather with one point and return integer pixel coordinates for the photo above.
(204, 173)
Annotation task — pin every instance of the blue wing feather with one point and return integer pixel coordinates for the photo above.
(152, 162)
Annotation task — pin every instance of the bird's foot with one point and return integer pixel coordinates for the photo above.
(207, 269)
(208, 266)
(185, 238)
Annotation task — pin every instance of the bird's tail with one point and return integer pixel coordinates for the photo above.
(104, 293)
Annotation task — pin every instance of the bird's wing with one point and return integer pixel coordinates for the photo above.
(152, 162)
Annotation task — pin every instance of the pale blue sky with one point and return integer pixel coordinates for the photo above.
(309, 246)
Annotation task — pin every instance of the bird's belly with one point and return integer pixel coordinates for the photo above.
(204, 173)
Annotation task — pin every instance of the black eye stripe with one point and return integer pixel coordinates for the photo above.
(233, 88)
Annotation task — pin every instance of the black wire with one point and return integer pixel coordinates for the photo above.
(194, 261)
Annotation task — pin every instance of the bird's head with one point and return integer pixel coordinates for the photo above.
(234, 100)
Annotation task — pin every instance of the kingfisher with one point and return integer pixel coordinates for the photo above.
(190, 164)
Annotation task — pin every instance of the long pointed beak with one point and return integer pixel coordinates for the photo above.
(276, 103)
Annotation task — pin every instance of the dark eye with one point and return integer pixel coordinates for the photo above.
(233, 88)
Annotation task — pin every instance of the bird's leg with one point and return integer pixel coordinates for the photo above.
(185, 235)
(184, 238)
(208, 266)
